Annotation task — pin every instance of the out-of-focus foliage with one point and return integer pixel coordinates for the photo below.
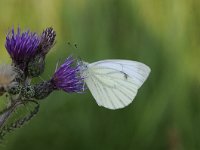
(164, 34)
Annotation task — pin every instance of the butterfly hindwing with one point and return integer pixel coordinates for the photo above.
(114, 83)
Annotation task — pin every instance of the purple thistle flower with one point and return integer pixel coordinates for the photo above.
(67, 77)
(21, 46)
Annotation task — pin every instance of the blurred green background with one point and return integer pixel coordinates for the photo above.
(164, 34)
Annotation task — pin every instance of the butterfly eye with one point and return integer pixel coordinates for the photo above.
(85, 66)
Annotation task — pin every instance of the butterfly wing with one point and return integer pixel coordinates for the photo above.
(114, 83)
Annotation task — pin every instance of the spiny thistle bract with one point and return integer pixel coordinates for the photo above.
(28, 51)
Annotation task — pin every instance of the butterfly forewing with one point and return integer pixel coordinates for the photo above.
(114, 83)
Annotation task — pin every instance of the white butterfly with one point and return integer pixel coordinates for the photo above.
(114, 83)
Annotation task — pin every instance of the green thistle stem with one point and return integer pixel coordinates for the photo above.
(6, 113)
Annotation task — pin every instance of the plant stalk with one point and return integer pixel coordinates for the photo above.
(6, 113)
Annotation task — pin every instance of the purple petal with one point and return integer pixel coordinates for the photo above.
(67, 77)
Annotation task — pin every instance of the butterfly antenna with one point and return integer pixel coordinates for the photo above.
(73, 46)
(70, 45)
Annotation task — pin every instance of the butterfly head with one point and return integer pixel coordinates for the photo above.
(83, 66)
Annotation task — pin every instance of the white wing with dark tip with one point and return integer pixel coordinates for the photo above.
(114, 83)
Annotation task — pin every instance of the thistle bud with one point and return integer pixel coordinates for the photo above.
(37, 63)
(47, 40)
(14, 89)
(43, 89)
(28, 92)
(36, 66)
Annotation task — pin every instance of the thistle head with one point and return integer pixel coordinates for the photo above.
(67, 77)
(21, 46)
